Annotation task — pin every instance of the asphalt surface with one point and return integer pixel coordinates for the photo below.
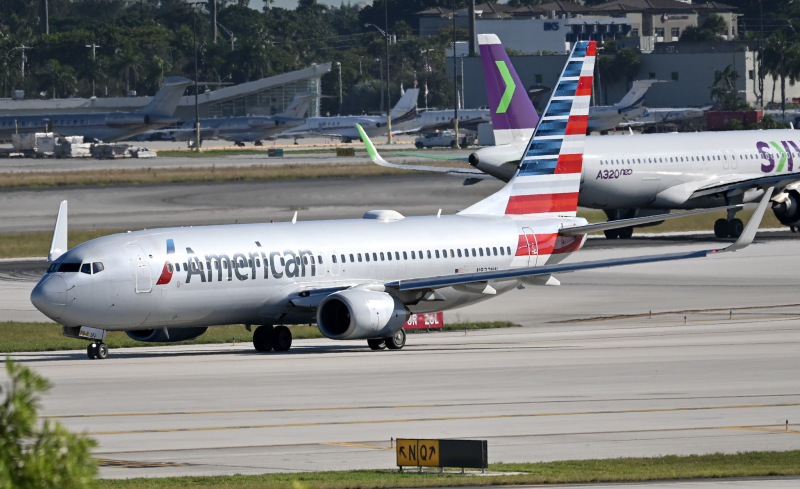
(698, 356)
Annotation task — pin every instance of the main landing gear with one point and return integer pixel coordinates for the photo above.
(97, 350)
(268, 337)
(730, 227)
(395, 342)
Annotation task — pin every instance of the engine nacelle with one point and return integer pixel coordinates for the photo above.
(498, 161)
(172, 335)
(786, 207)
(360, 314)
(120, 119)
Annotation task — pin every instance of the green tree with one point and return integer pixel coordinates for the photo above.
(60, 79)
(723, 90)
(781, 61)
(36, 455)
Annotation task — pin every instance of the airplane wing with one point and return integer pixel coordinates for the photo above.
(433, 157)
(727, 183)
(484, 277)
(471, 173)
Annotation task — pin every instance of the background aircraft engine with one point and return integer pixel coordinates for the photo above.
(498, 162)
(360, 314)
(786, 207)
(123, 119)
(158, 335)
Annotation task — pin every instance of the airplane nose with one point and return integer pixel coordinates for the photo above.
(50, 296)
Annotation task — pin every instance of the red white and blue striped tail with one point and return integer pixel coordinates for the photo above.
(549, 175)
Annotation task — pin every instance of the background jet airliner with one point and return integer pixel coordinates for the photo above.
(248, 128)
(642, 174)
(358, 278)
(105, 126)
(344, 127)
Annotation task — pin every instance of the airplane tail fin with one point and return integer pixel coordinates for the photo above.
(549, 175)
(635, 96)
(513, 115)
(407, 103)
(299, 105)
(166, 100)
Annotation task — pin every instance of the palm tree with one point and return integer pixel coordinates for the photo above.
(155, 70)
(781, 60)
(129, 63)
(61, 78)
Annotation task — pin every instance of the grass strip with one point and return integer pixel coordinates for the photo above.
(32, 336)
(749, 464)
(152, 176)
(38, 243)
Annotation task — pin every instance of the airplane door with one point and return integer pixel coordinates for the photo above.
(334, 264)
(141, 269)
(533, 248)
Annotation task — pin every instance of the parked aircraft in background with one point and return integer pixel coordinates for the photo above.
(642, 174)
(247, 128)
(468, 119)
(358, 278)
(344, 126)
(104, 126)
(629, 108)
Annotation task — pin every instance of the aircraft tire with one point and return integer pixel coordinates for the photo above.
(721, 228)
(102, 351)
(418, 145)
(91, 351)
(281, 338)
(397, 341)
(262, 338)
(377, 344)
(625, 233)
(611, 233)
(735, 228)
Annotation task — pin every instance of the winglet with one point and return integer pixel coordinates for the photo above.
(59, 245)
(752, 225)
(373, 153)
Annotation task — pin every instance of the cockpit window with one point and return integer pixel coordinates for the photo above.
(90, 268)
(53, 268)
(69, 267)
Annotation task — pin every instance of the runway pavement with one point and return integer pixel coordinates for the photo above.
(696, 356)
(591, 374)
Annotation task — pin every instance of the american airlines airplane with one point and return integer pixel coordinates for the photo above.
(105, 126)
(344, 127)
(248, 128)
(358, 278)
(643, 174)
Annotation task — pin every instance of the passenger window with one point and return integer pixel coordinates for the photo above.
(389, 256)
(480, 250)
(405, 256)
(319, 259)
(169, 267)
(459, 252)
(366, 256)
(382, 256)
(97, 267)
(413, 255)
(353, 260)
(429, 254)
(359, 257)
(508, 250)
(473, 252)
(333, 258)
(86, 268)
(437, 253)
(502, 251)
(494, 249)
(374, 256)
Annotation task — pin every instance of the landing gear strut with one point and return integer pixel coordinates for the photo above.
(267, 337)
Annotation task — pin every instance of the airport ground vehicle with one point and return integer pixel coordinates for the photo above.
(443, 139)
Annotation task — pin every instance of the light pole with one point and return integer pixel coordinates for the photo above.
(455, 78)
(339, 65)
(385, 35)
(94, 66)
(22, 50)
(196, 103)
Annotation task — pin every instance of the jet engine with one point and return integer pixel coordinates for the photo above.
(131, 119)
(360, 314)
(498, 161)
(171, 335)
(786, 207)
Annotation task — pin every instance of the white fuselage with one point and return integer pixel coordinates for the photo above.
(183, 277)
(661, 171)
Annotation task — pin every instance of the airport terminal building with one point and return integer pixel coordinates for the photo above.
(261, 97)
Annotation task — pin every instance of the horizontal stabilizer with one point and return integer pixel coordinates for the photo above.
(378, 160)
